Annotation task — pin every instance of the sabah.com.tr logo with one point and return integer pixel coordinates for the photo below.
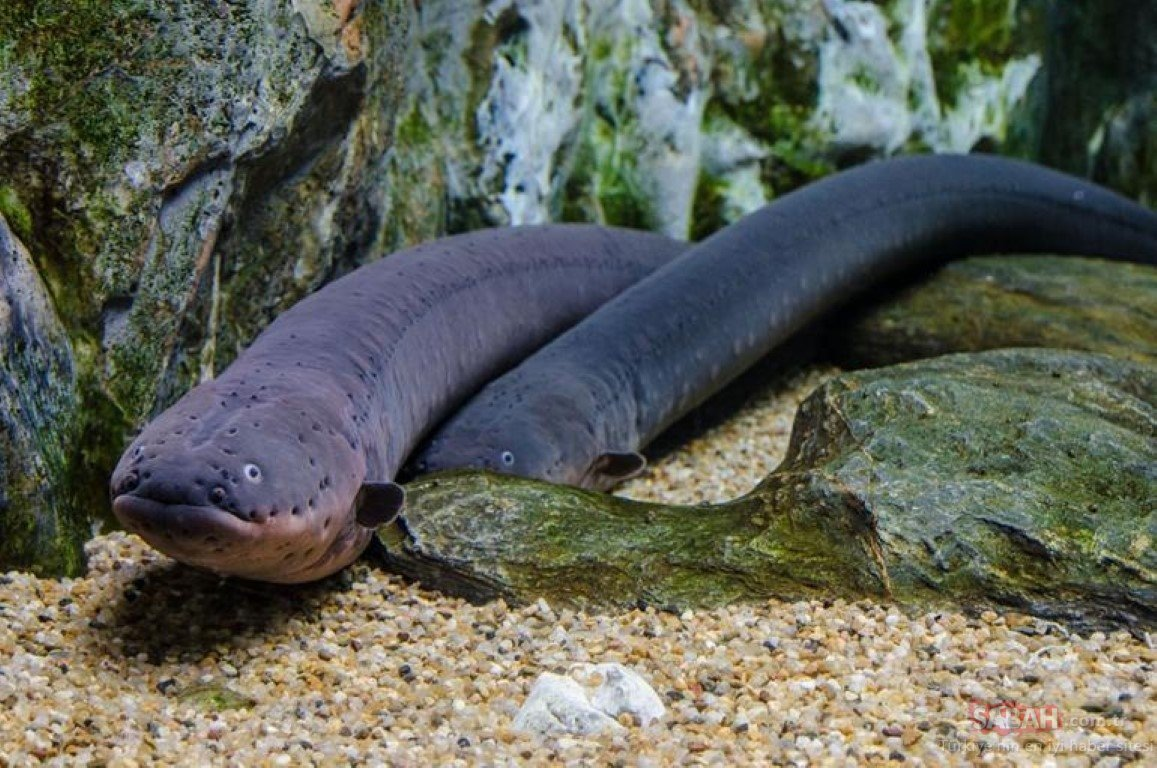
(1005, 717)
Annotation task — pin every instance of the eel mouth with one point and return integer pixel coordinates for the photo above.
(215, 540)
(198, 535)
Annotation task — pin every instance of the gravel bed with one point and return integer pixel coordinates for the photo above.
(144, 662)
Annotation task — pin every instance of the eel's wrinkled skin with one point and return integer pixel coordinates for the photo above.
(578, 411)
(272, 471)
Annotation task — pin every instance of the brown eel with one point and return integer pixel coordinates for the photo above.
(280, 468)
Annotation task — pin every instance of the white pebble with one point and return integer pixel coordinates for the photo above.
(558, 704)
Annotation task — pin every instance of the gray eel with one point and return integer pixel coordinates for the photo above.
(280, 468)
(578, 411)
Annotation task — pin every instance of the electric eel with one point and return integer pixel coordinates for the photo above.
(580, 409)
(280, 468)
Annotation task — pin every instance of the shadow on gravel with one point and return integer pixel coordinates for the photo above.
(176, 613)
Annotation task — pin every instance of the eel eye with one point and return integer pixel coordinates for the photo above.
(253, 473)
(138, 451)
(507, 459)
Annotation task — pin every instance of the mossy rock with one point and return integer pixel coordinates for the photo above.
(1101, 61)
(990, 302)
(42, 527)
(1014, 477)
(181, 172)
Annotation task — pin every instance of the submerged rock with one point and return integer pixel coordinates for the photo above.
(182, 172)
(990, 302)
(1092, 114)
(1023, 477)
(684, 116)
(1018, 477)
(188, 169)
(41, 529)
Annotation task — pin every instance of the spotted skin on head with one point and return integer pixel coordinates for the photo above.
(279, 469)
(260, 475)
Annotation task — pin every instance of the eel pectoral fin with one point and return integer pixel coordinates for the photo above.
(378, 503)
(616, 466)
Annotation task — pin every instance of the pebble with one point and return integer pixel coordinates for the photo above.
(559, 705)
(365, 668)
(620, 692)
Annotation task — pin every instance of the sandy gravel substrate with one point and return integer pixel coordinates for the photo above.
(122, 667)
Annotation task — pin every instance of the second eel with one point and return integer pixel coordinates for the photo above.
(579, 410)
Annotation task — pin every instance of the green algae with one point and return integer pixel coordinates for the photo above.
(446, 76)
(977, 32)
(81, 54)
(92, 71)
(605, 183)
(44, 533)
(15, 212)
(707, 212)
(767, 86)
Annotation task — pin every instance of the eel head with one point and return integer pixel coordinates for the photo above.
(526, 444)
(258, 482)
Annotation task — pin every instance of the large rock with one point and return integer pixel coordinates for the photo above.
(185, 170)
(989, 302)
(1015, 477)
(685, 115)
(42, 529)
(1093, 113)
(182, 172)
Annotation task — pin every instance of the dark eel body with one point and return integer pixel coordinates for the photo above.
(578, 411)
(279, 468)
